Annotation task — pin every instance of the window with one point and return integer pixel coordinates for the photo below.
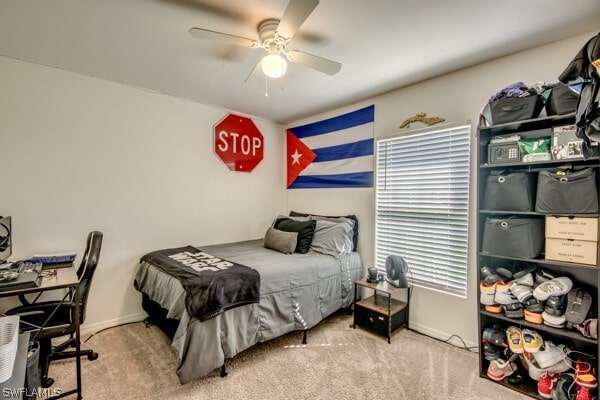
(422, 203)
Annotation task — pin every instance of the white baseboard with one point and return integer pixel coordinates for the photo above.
(443, 336)
(88, 329)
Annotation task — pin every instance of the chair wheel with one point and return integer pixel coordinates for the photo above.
(47, 382)
(92, 356)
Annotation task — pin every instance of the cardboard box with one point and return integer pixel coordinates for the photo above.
(579, 228)
(576, 251)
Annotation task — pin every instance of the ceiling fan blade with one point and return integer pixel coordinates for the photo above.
(324, 65)
(206, 7)
(294, 16)
(254, 73)
(200, 33)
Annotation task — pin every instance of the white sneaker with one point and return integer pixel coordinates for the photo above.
(548, 356)
(554, 287)
(555, 321)
(503, 294)
(522, 292)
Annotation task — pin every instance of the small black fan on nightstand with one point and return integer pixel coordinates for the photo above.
(396, 269)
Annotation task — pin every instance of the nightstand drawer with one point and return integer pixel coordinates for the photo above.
(377, 322)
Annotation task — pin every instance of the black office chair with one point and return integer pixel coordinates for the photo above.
(58, 317)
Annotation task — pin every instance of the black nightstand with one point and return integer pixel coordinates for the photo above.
(380, 313)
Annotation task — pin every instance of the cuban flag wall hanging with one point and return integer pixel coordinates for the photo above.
(333, 153)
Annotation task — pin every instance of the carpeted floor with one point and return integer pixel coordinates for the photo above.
(337, 363)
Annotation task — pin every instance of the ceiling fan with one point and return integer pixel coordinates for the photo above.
(273, 36)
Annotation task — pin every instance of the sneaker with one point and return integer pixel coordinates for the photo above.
(489, 275)
(494, 335)
(485, 271)
(503, 294)
(549, 355)
(542, 275)
(554, 321)
(532, 341)
(585, 375)
(513, 310)
(490, 352)
(525, 280)
(554, 287)
(565, 364)
(534, 305)
(500, 369)
(531, 366)
(515, 339)
(522, 292)
(533, 317)
(494, 308)
(589, 328)
(521, 270)
(546, 384)
(562, 366)
(505, 271)
(556, 305)
(565, 388)
(584, 393)
(487, 292)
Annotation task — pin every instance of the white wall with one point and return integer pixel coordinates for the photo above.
(456, 97)
(80, 153)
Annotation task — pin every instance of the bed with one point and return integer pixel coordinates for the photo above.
(297, 291)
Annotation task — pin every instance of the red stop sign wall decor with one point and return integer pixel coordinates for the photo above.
(238, 143)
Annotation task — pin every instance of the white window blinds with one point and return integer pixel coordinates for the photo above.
(422, 202)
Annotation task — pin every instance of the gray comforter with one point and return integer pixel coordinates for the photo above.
(297, 292)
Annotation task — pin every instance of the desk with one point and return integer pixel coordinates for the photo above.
(65, 278)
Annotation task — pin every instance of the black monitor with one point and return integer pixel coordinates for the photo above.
(5, 239)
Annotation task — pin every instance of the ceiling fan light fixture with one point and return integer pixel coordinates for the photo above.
(274, 65)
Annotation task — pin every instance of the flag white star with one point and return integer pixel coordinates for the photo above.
(296, 156)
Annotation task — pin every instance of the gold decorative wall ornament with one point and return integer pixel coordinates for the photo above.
(421, 117)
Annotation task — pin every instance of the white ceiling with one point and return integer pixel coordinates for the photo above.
(382, 44)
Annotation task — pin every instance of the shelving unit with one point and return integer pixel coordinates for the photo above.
(584, 274)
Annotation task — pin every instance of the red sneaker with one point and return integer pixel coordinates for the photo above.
(584, 393)
(585, 374)
(547, 383)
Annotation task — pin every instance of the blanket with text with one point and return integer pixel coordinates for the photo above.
(212, 285)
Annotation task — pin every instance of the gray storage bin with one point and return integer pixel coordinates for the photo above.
(513, 237)
(509, 191)
(510, 109)
(567, 192)
(562, 100)
(32, 380)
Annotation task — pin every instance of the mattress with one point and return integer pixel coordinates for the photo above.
(297, 292)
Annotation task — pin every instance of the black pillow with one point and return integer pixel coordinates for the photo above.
(352, 217)
(305, 229)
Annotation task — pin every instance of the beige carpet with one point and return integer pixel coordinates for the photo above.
(337, 363)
